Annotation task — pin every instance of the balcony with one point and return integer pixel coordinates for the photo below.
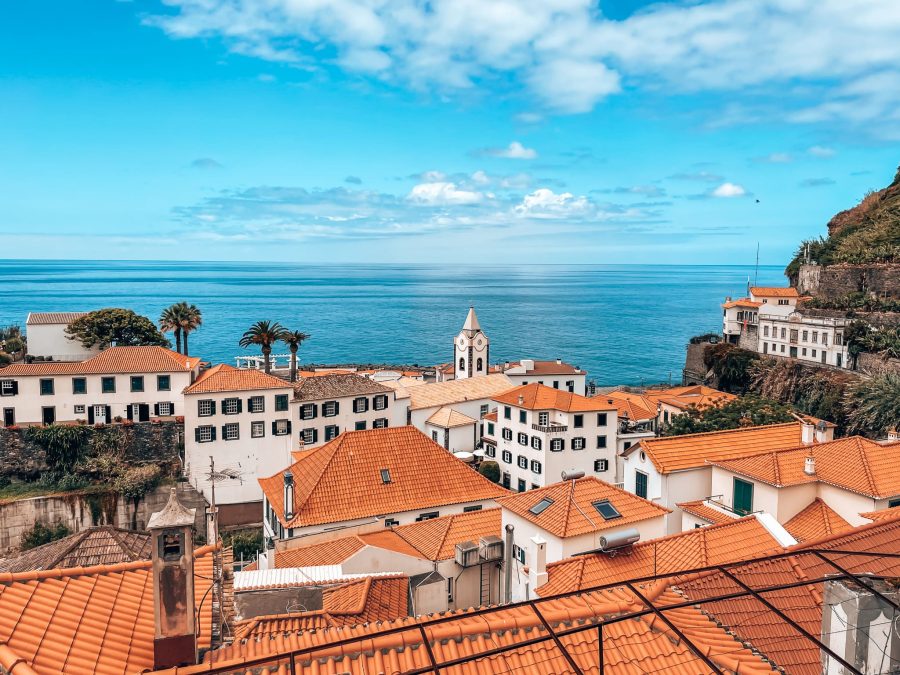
(550, 429)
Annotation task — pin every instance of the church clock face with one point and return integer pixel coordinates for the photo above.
(462, 342)
(479, 342)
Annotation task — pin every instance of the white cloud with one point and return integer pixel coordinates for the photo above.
(443, 193)
(729, 190)
(545, 203)
(514, 150)
(821, 152)
(775, 158)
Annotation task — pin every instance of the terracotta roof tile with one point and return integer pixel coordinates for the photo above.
(115, 360)
(815, 521)
(675, 453)
(546, 368)
(540, 397)
(774, 291)
(337, 385)
(695, 396)
(571, 500)
(884, 514)
(742, 302)
(104, 545)
(631, 406)
(438, 394)
(228, 378)
(332, 552)
(448, 418)
(702, 510)
(342, 480)
(854, 463)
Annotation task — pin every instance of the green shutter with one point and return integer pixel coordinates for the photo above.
(640, 484)
(743, 496)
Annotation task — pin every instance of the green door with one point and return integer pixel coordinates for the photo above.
(640, 484)
(743, 496)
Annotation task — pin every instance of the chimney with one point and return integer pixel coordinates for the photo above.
(288, 495)
(807, 433)
(823, 432)
(172, 556)
(559, 362)
(537, 558)
(809, 466)
(521, 400)
(893, 434)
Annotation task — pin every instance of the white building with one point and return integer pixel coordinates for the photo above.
(570, 518)
(328, 405)
(471, 349)
(676, 469)
(555, 374)
(392, 476)
(541, 432)
(134, 383)
(241, 418)
(46, 337)
(742, 315)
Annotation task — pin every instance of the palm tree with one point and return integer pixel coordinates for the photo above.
(190, 320)
(170, 320)
(265, 334)
(293, 339)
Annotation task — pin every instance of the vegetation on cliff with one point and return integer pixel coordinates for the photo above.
(747, 411)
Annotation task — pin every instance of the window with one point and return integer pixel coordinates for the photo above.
(782, 301)
(765, 331)
(163, 383)
(803, 351)
(504, 480)
(489, 450)
(79, 385)
(391, 522)
(281, 427)
(602, 419)
(309, 436)
(782, 348)
(385, 476)
(137, 383)
(794, 334)
(814, 353)
(231, 432)
(535, 466)
(556, 384)
(543, 419)
(523, 417)
(522, 461)
(783, 333)
(601, 465)
(570, 386)
(507, 412)
(257, 429)
(483, 410)
(743, 496)
(360, 426)
(380, 402)
(578, 443)
(606, 509)
(523, 439)
(579, 421)
(893, 502)
(9, 388)
(380, 423)
(78, 409)
(205, 434)
(256, 404)
(47, 387)
(815, 337)
(470, 509)
(541, 506)
(519, 553)
(281, 402)
(330, 408)
(536, 442)
(640, 484)
(490, 428)
(361, 404)
(108, 385)
(479, 364)
(205, 408)
(450, 579)
(601, 441)
(430, 515)
(824, 339)
(507, 457)
(507, 434)
(331, 431)
(165, 408)
(231, 406)
(308, 411)
(557, 445)
(839, 338)
(462, 363)
(434, 436)
(522, 485)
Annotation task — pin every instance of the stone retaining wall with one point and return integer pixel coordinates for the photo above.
(836, 281)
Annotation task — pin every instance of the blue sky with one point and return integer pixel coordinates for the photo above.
(516, 131)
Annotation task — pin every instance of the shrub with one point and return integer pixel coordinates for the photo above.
(244, 543)
(42, 534)
(71, 482)
(490, 470)
(730, 365)
(746, 411)
(133, 483)
(873, 405)
(64, 445)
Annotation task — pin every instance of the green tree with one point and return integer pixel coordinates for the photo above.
(42, 534)
(293, 339)
(263, 334)
(490, 470)
(190, 319)
(873, 405)
(123, 327)
(170, 322)
(65, 445)
(731, 365)
(742, 412)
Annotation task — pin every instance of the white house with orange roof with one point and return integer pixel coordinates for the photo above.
(241, 418)
(47, 338)
(556, 374)
(675, 469)
(541, 432)
(571, 518)
(134, 383)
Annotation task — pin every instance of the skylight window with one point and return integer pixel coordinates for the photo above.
(606, 509)
(385, 476)
(541, 506)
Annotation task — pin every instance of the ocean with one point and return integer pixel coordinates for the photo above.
(624, 324)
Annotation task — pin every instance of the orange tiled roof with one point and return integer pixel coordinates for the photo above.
(676, 453)
(815, 521)
(342, 479)
(735, 540)
(696, 396)
(87, 620)
(491, 416)
(742, 302)
(361, 601)
(702, 510)
(854, 463)
(540, 397)
(884, 514)
(633, 406)
(774, 291)
(114, 360)
(228, 378)
(105, 545)
(571, 500)
(448, 418)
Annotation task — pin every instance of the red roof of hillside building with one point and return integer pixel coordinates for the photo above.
(815, 521)
(742, 302)
(676, 453)
(342, 480)
(545, 368)
(539, 397)
(565, 505)
(774, 291)
(695, 396)
(104, 545)
(631, 406)
(702, 510)
(112, 361)
(228, 378)
(87, 620)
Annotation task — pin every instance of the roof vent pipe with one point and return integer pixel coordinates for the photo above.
(809, 466)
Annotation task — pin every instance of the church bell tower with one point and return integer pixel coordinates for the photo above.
(471, 349)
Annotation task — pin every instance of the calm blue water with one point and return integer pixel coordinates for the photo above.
(624, 324)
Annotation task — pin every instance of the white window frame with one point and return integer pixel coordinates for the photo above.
(380, 402)
(308, 436)
(556, 445)
(282, 427)
(166, 408)
(578, 443)
(257, 429)
(78, 408)
(543, 419)
(522, 438)
(204, 408)
(255, 401)
(359, 404)
(231, 406)
(522, 461)
(536, 467)
(380, 423)
(231, 432)
(329, 409)
(506, 456)
(7, 387)
(204, 433)
(536, 442)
